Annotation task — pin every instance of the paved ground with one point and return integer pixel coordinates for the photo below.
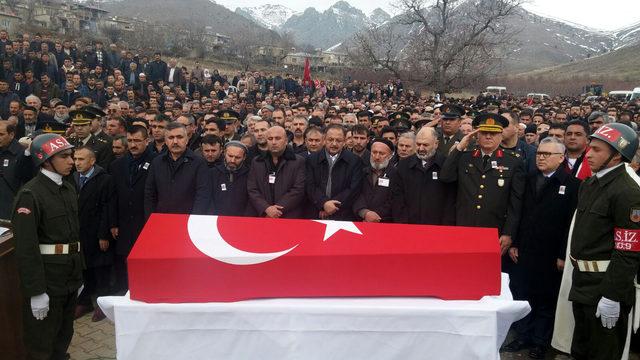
(94, 341)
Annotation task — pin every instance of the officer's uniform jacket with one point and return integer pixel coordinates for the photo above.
(487, 197)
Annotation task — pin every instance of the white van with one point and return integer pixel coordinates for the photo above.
(636, 94)
(538, 96)
(496, 90)
(620, 95)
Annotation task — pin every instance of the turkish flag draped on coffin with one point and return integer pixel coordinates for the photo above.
(196, 258)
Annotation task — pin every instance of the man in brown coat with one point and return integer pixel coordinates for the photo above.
(276, 184)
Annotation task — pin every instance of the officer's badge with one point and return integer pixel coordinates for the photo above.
(23, 210)
(490, 121)
(501, 182)
(622, 143)
(635, 215)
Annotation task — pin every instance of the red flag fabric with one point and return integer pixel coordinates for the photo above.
(584, 171)
(197, 258)
(306, 77)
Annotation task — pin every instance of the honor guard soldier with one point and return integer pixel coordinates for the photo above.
(605, 245)
(490, 181)
(81, 122)
(47, 232)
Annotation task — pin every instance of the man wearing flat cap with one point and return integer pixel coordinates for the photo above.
(490, 181)
(449, 133)
(81, 123)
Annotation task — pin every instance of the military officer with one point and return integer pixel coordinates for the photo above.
(96, 123)
(605, 245)
(490, 181)
(450, 123)
(81, 121)
(45, 220)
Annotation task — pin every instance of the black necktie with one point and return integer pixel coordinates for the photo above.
(446, 140)
(83, 180)
(485, 161)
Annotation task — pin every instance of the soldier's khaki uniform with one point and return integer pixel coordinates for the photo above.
(47, 214)
(605, 252)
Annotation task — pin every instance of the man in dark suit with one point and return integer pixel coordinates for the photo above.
(173, 75)
(94, 192)
(539, 249)
(126, 210)
(333, 177)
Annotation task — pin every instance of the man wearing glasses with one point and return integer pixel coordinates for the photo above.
(538, 251)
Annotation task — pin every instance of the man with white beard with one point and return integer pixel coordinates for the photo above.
(418, 194)
(374, 202)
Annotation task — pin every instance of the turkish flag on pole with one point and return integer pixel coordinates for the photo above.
(198, 258)
(306, 77)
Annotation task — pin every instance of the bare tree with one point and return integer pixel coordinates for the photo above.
(442, 44)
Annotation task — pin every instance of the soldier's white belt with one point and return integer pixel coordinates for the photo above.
(59, 249)
(590, 265)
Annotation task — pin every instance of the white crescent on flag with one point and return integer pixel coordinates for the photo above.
(204, 234)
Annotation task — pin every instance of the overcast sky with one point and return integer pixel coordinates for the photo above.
(596, 14)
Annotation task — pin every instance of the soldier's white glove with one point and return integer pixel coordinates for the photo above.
(608, 311)
(25, 142)
(40, 306)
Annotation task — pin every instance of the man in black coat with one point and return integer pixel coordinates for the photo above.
(126, 210)
(276, 180)
(15, 167)
(229, 182)
(178, 182)
(333, 177)
(419, 195)
(374, 202)
(539, 250)
(94, 192)
(157, 69)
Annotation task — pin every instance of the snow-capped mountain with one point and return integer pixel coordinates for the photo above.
(378, 17)
(629, 35)
(269, 16)
(312, 27)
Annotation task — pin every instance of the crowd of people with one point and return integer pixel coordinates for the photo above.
(95, 140)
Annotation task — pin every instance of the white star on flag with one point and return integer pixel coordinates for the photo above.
(335, 226)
